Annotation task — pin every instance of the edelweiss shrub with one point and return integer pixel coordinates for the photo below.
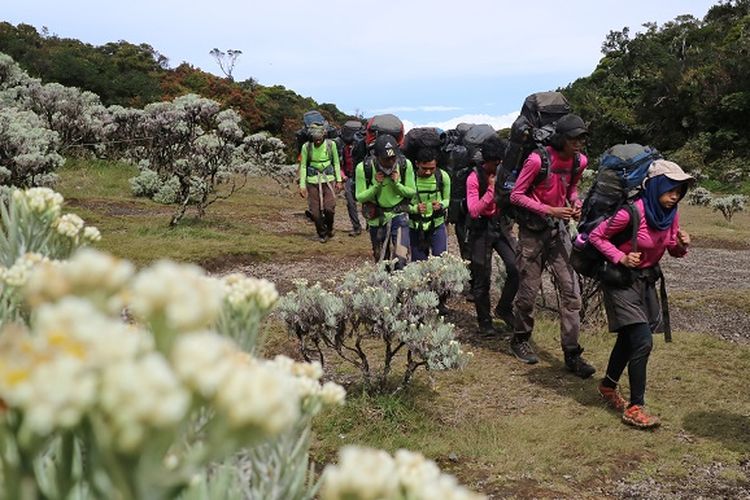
(399, 309)
(193, 147)
(162, 397)
(728, 205)
(699, 196)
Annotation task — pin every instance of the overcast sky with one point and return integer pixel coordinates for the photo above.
(429, 62)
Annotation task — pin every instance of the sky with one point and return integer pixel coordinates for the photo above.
(429, 62)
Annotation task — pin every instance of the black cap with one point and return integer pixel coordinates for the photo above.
(386, 146)
(571, 126)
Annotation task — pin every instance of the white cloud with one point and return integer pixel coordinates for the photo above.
(408, 109)
(497, 121)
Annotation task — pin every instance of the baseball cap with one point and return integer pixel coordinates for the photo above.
(668, 169)
(571, 126)
(386, 146)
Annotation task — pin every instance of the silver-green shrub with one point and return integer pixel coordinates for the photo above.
(699, 196)
(373, 309)
(729, 205)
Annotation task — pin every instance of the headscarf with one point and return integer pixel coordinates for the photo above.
(657, 216)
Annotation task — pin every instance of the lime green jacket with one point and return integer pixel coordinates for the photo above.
(427, 193)
(387, 195)
(324, 163)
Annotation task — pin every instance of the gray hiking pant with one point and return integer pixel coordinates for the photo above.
(351, 204)
(551, 246)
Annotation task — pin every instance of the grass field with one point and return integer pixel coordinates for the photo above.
(502, 427)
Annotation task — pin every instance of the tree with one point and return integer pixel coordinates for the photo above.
(226, 60)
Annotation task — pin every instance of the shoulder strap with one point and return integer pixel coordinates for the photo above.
(635, 219)
(482, 180)
(439, 181)
(308, 144)
(367, 167)
(543, 170)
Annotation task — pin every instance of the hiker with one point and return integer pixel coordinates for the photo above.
(543, 211)
(319, 168)
(385, 185)
(427, 232)
(348, 132)
(489, 230)
(633, 310)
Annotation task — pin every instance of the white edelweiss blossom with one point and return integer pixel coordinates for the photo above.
(259, 396)
(90, 270)
(182, 293)
(53, 393)
(18, 274)
(332, 394)
(41, 199)
(241, 290)
(91, 234)
(76, 327)
(362, 473)
(202, 361)
(69, 225)
(140, 395)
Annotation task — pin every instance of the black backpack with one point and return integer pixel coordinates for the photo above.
(462, 159)
(530, 132)
(350, 129)
(422, 138)
(473, 140)
(622, 169)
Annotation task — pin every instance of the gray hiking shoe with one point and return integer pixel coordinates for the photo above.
(523, 351)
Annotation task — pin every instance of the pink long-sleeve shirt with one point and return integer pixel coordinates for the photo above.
(479, 207)
(652, 243)
(555, 190)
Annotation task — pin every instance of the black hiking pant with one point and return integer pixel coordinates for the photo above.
(632, 349)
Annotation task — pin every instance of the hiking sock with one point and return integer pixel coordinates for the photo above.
(609, 383)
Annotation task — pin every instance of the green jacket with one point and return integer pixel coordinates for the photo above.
(388, 196)
(323, 167)
(427, 193)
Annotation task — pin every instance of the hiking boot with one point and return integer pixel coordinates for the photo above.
(576, 364)
(329, 234)
(442, 309)
(488, 330)
(523, 351)
(613, 398)
(323, 239)
(468, 295)
(637, 417)
(355, 232)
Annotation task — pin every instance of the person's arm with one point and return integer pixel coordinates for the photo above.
(519, 196)
(362, 192)
(678, 241)
(303, 167)
(407, 187)
(446, 194)
(573, 199)
(601, 236)
(336, 162)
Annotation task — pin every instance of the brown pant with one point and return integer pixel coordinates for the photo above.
(322, 213)
(551, 246)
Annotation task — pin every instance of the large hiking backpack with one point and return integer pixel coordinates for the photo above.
(530, 132)
(461, 162)
(422, 138)
(349, 131)
(473, 140)
(309, 119)
(377, 125)
(622, 169)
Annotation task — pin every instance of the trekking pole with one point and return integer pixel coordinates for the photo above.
(387, 241)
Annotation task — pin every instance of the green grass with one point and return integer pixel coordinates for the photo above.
(710, 229)
(261, 222)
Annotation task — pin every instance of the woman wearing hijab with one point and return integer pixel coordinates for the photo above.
(633, 310)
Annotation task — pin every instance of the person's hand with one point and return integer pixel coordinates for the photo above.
(683, 238)
(339, 186)
(395, 175)
(436, 205)
(632, 259)
(576, 215)
(422, 208)
(491, 180)
(379, 177)
(564, 213)
(303, 192)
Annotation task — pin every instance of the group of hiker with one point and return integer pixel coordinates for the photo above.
(409, 193)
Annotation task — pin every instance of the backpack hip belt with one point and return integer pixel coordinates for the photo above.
(312, 171)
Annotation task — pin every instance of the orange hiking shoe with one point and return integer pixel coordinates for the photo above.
(637, 417)
(613, 398)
